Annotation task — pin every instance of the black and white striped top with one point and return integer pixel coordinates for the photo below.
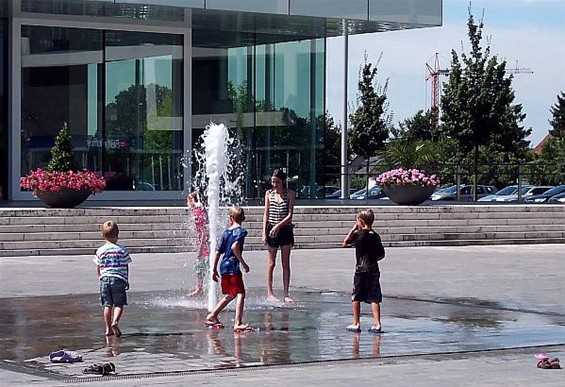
(277, 211)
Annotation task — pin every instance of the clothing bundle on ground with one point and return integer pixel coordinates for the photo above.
(64, 356)
(100, 369)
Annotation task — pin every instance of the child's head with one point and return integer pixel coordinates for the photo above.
(278, 177)
(237, 214)
(367, 216)
(110, 230)
(192, 198)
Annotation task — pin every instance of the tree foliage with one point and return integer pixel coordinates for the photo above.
(478, 113)
(418, 127)
(558, 117)
(62, 157)
(477, 100)
(369, 123)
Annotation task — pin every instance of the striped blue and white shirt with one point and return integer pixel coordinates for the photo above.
(113, 260)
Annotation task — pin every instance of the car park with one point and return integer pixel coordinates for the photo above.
(375, 192)
(544, 197)
(337, 194)
(465, 192)
(526, 192)
(510, 190)
(559, 198)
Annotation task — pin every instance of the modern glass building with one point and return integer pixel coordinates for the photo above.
(137, 82)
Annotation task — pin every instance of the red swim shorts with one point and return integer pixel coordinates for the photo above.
(232, 284)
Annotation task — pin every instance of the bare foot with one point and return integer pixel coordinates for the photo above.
(116, 330)
(288, 300)
(109, 332)
(240, 327)
(271, 298)
(195, 293)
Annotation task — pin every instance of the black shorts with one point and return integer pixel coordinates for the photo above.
(367, 287)
(284, 237)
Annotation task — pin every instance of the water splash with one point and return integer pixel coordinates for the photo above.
(217, 177)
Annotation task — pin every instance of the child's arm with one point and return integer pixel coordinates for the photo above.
(265, 218)
(350, 236)
(215, 275)
(237, 252)
(98, 270)
(127, 282)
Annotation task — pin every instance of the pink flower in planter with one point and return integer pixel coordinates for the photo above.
(44, 181)
(401, 176)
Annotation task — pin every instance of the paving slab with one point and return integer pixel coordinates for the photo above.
(451, 314)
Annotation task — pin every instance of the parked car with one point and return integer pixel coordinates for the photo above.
(510, 190)
(337, 194)
(465, 192)
(321, 191)
(375, 192)
(559, 198)
(526, 192)
(544, 197)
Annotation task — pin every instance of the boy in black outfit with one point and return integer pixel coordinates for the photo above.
(366, 285)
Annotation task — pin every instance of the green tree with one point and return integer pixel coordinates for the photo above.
(330, 137)
(62, 157)
(418, 127)
(477, 105)
(558, 119)
(369, 123)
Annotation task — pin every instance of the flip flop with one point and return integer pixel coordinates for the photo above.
(353, 328)
(554, 363)
(375, 330)
(541, 356)
(247, 328)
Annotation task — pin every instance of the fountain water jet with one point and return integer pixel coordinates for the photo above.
(216, 161)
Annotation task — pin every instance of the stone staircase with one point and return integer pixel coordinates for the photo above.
(35, 231)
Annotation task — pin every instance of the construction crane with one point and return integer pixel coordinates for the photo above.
(434, 73)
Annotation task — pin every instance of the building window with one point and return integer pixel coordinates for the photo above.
(120, 94)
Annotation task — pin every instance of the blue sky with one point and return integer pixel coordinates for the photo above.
(528, 32)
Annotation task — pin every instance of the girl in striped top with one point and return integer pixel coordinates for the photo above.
(278, 231)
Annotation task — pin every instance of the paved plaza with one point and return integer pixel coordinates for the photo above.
(472, 315)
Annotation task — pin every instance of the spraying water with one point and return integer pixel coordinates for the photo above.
(221, 186)
(216, 141)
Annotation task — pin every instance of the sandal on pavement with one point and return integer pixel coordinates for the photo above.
(375, 330)
(353, 328)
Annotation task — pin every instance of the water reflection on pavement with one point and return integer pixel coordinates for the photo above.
(164, 332)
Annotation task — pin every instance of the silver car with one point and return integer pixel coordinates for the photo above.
(465, 192)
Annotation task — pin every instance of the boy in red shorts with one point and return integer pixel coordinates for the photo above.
(230, 249)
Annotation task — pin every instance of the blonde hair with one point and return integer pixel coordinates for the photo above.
(237, 214)
(110, 229)
(366, 216)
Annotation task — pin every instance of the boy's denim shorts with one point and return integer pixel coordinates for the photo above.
(113, 291)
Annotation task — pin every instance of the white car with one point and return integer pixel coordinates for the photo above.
(506, 191)
(526, 193)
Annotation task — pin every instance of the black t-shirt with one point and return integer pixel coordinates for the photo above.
(368, 248)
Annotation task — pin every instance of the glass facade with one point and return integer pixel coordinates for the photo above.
(271, 96)
(120, 94)
(137, 82)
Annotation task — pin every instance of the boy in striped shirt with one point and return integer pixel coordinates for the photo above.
(112, 265)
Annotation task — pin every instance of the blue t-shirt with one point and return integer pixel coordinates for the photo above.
(230, 263)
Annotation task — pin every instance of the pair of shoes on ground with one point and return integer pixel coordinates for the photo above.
(357, 329)
(64, 356)
(545, 362)
(100, 369)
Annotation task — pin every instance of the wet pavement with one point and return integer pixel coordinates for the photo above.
(164, 331)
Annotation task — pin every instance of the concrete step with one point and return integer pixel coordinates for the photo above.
(76, 231)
